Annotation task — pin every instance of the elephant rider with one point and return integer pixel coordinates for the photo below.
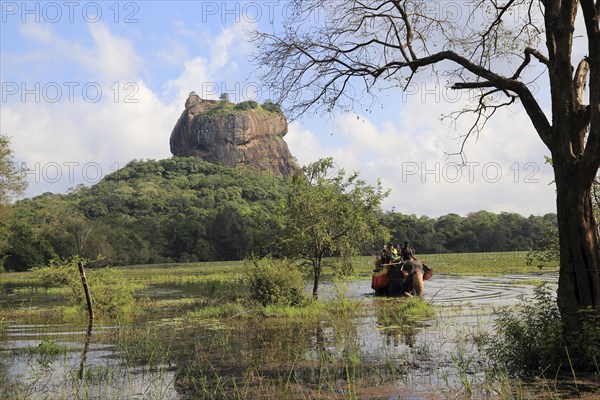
(413, 269)
(406, 252)
(394, 251)
(384, 254)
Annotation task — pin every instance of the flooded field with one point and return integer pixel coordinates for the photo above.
(357, 349)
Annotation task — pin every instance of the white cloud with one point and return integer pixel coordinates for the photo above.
(204, 75)
(113, 58)
(70, 142)
(506, 170)
(81, 139)
(109, 59)
(194, 76)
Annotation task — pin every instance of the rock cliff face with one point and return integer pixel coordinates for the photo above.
(227, 134)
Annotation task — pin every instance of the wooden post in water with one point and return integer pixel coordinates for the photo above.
(88, 298)
(86, 346)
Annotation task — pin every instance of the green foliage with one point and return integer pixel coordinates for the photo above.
(529, 340)
(11, 177)
(584, 349)
(111, 292)
(275, 282)
(532, 340)
(403, 311)
(12, 184)
(344, 267)
(480, 231)
(225, 107)
(328, 214)
(174, 210)
(548, 253)
(47, 348)
(246, 105)
(187, 210)
(271, 107)
(59, 273)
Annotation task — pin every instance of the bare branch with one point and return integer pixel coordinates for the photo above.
(472, 85)
(483, 112)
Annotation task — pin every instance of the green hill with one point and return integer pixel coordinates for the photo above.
(173, 210)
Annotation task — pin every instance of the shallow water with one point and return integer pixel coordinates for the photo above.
(159, 358)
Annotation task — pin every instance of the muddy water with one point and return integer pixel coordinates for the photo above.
(160, 358)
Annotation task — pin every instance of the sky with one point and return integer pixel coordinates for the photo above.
(90, 86)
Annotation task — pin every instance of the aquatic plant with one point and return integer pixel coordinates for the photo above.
(274, 281)
(47, 347)
(528, 339)
(402, 311)
(111, 292)
(531, 339)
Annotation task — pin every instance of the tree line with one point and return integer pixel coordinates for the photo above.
(185, 210)
(480, 231)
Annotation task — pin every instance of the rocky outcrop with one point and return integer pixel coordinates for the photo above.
(224, 133)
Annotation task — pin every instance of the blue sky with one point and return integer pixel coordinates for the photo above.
(89, 86)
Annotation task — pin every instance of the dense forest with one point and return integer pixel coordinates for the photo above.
(185, 209)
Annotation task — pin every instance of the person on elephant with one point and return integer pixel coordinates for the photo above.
(412, 270)
(406, 252)
(384, 254)
(394, 254)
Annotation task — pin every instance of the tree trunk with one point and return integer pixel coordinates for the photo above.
(317, 276)
(579, 276)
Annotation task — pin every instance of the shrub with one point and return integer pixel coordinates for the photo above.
(59, 273)
(271, 107)
(584, 349)
(246, 105)
(343, 267)
(530, 339)
(275, 282)
(110, 291)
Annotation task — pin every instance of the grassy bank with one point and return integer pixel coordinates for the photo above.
(470, 264)
(476, 264)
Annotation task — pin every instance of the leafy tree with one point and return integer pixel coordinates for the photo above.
(450, 227)
(11, 180)
(12, 184)
(230, 234)
(373, 43)
(27, 249)
(326, 213)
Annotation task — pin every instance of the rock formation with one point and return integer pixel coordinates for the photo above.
(228, 134)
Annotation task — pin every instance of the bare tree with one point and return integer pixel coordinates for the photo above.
(332, 54)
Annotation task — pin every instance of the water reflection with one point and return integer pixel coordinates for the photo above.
(86, 347)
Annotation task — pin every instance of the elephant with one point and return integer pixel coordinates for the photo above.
(407, 278)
